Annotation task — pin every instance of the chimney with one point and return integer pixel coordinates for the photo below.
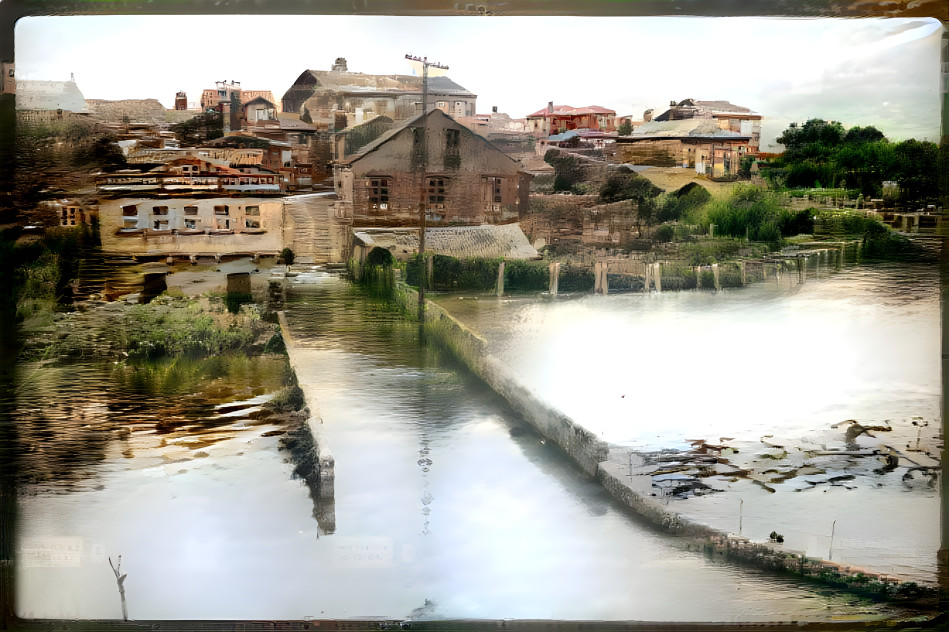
(550, 107)
(672, 104)
(494, 109)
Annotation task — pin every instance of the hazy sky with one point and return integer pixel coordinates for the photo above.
(883, 72)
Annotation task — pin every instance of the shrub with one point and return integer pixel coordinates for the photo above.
(526, 275)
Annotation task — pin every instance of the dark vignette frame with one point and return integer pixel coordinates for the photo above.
(13, 10)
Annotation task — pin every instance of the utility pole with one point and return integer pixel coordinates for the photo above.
(422, 188)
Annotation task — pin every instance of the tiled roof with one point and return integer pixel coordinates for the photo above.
(359, 82)
(569, 110)
(685, 128)
(506, 240)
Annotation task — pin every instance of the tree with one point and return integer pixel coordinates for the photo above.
(625, 128)
(624, 184)
(916, 171)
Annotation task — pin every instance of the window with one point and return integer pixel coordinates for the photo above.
(191, 224)
(436, 190)
(440, 105)
(491, 189)
(161, 224)
(452, 141)
(130, 210)
(191, 210)
(159, 210)
(252, 210)
(252, 223)
(379, 193)
(222, 210)
(223, 224)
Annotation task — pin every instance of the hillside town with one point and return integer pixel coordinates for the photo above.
(240, 174)
(231, 229)
(341, 151)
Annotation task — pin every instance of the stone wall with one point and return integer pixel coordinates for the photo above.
(581, 445)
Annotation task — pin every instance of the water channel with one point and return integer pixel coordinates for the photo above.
(447, 505)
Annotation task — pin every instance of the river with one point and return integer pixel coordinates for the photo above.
(777, 363)
(447, 505)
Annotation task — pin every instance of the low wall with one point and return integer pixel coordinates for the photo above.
(577, 442)
(313, 461)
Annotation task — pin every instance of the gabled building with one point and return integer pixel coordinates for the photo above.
(727, 116)
(189, 174)
(466, 181)
(557, 119)
(339, 98)
(691, 144)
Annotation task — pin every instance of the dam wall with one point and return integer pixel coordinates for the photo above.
(577, 442)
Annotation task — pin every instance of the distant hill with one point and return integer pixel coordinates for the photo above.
(148, 111)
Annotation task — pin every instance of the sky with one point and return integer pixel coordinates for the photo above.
(867, 71)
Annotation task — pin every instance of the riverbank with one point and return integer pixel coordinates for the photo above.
(710, 521)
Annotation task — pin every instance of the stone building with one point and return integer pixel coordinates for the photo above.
(557, 119)
(191, 226)
(466, 180)
(727, 116)
(340, 98)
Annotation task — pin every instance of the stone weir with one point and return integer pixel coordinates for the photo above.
(313, 461)
(594, 458)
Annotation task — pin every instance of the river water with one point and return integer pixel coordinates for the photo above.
(447, 505)
(787, 363)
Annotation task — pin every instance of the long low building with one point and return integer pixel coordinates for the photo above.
(505, 241)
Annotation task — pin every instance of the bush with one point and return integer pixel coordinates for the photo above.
(664, 233)
(527, 275)
(451, 273)
(575, 279)
(287, 256)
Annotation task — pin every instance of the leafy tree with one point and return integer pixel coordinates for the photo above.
(625, 184)
(625, 128)
(916, 170)
(568, 170)
(682, 203)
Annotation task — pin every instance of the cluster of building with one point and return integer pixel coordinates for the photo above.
(347, 149)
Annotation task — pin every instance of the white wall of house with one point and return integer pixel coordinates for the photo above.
(192, 226)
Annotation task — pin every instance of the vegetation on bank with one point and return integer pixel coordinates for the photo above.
(823, 153)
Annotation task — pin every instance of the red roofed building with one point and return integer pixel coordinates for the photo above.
(556, 119)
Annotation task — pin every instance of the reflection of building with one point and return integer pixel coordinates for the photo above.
(339, 98)
(72, 212)
(467, 180)
(556, 119)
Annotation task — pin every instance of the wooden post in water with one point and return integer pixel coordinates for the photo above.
(658, 279)
(501, 279)
(120, 580)
(718, 284)
(554, 277)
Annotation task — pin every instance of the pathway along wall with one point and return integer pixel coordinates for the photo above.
(592, 455)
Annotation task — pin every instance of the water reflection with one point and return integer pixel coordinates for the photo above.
(512, 528)
(782, 374)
